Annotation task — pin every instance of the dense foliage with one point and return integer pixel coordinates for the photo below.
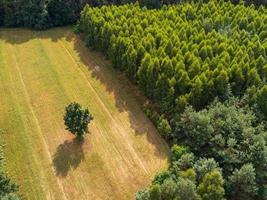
(191, 54)
(76, 119)
(184, 54)
(232, 149)
(39, 14)
(42, 14)
(187, 179)
(229, 134)
(7, 187)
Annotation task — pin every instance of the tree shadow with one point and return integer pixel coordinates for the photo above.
(127, 96)
(22, 35)
(68, 156)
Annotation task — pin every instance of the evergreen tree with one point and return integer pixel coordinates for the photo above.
(243, 182)
(211, 188)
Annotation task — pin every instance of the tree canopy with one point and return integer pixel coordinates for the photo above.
(186, 54)
(76, 119)
(184, 57)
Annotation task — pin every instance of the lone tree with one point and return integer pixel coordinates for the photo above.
(76, 119)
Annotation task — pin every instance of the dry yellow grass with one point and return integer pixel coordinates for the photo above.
(40, 73)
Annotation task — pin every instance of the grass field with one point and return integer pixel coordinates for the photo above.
(40, 73)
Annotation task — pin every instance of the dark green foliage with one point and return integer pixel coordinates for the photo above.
(227, 133)
(151, 3)
(154, 193)
(59, 12)
(262, 100)
(224, 137)
(243, 183)
(35, 15)
(2, 14)
(42, 14)
(7, 187)
(180, 182)
(27, 13)
(76, 119)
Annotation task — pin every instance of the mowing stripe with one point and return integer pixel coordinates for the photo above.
(48, 70)
(35, 119)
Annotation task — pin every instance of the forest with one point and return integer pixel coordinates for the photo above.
(203, 67)
(208, 51)
(41, 14)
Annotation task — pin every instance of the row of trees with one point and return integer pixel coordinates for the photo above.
(41, 14)
(160, 3)
(37, 14)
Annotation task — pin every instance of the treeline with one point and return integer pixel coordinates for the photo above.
(42, 14)
(7, 188)
(183, 58)
(37, 14)
(160, 3)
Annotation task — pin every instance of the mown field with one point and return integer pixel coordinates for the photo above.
(40, 73)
